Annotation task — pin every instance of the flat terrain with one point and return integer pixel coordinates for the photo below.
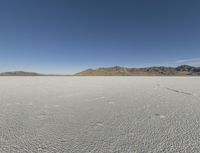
(99, 114)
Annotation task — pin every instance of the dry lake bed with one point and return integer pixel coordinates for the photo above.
(99, 114)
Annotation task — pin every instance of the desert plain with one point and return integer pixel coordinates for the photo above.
(99, 114)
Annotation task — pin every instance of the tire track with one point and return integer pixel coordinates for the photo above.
(178, 91)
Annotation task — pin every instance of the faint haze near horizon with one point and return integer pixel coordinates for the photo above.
(64, 37)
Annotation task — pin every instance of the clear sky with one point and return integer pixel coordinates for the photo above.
(64, 36)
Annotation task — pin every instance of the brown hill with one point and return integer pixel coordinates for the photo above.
(20, 73)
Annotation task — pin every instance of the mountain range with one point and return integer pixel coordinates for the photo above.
(183, 70)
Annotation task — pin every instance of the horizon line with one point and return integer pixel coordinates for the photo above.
(63, 74)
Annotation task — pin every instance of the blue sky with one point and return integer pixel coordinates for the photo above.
(65, 36)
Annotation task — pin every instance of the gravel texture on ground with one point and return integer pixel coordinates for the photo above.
(99, 114)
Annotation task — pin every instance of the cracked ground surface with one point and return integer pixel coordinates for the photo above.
(99, 114)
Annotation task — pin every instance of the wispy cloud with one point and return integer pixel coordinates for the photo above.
(191, 61)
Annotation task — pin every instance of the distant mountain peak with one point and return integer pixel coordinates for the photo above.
(185, 68)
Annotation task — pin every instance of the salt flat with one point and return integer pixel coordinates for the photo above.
(99, 114)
